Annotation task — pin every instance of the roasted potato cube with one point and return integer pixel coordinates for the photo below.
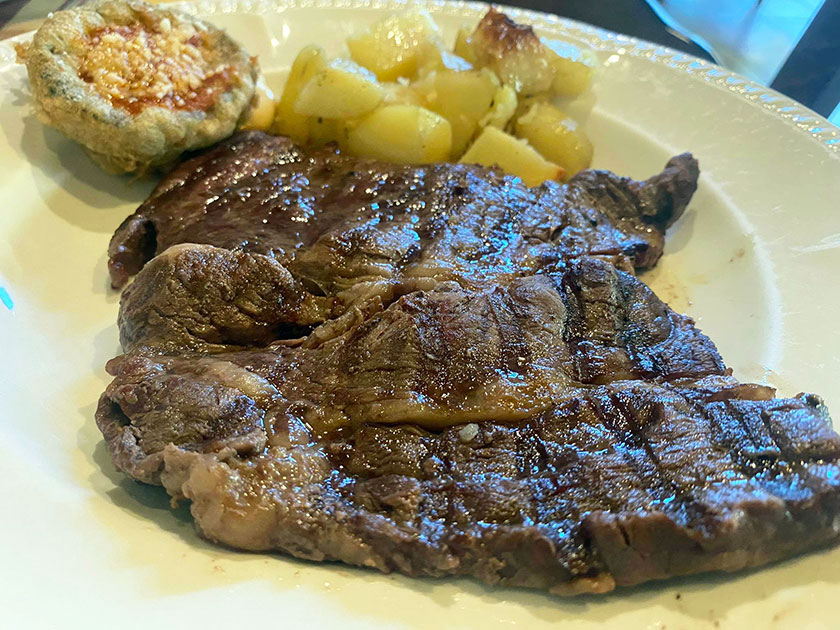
(555, 136)
(342, 89)
(464, 48)
(517, 157)
(325, 130)
(442, 60)
(406, 134)
(502, 110)
(463, 98)
(514, 52)
(400, 94)
(260, 115)
(524, 103)
(287, 122)
(396, 46)
(573, 68)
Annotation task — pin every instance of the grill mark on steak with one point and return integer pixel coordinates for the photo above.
(514, 351)
(453, 355)
(348, 229)
(206, 298)
(608, 444)
(580, 525)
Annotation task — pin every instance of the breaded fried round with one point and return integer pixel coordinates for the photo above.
(138, 85)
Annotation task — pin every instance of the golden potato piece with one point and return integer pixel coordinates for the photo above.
(325, 130)
(463, 98)
(396, 46)
(137, 85)
(573, 68)
(556, 136)
(260, 115)
(514, 52)
(287, 122)
(406, 134)
(439, 60)
(342, 89)
(502, 109)
(497, 148)
(524, 103)
(400, 94)
(464, 48)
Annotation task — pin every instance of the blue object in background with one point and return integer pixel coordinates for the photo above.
(6, 299)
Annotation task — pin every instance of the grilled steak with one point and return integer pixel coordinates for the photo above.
(438, 371)
(336, 221)
(434, 358)
(342, 231)
(612, 484)
(627, 482)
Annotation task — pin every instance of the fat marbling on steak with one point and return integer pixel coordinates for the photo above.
(471, 382)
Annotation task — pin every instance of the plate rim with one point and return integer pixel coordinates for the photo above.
(663, 588)
(791, 112)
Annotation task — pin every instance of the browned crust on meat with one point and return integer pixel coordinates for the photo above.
(581, 499)
(500, 34)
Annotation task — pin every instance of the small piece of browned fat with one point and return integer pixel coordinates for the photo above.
(21, 50)
(468, 433)
(136, 65)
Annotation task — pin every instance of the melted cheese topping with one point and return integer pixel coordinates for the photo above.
(135, 66)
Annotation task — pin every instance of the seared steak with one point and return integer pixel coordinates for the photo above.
(625, 483)
(195, 297)
(438, 371)
(335, 221)
(341, 231)
(433, 358)
(614, 485)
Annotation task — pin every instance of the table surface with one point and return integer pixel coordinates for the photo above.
(788, 44)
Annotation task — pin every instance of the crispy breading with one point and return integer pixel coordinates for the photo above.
(137, 85)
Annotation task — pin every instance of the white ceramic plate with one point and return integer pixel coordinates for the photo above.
(755, 261)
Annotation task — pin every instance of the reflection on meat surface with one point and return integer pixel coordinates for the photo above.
(439, 371)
